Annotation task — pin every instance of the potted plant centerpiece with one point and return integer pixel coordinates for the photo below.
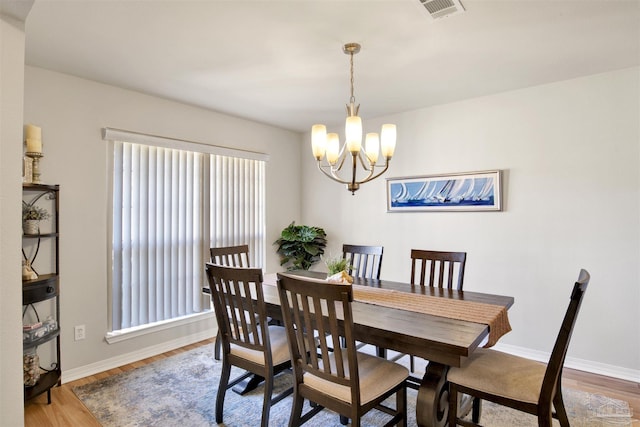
(338, 269)
(300, 246)
(31, 217)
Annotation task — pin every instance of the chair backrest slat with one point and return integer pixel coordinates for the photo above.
(445, 269)
(365, 261)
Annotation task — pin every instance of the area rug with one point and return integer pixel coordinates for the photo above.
(181, 391)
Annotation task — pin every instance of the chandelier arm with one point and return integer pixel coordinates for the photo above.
(341, 159)
(331, 175)
(371, 178)
(366, 165)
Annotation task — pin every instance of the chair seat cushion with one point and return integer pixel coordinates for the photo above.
(501, 374)
(377, 376)
(279, 348)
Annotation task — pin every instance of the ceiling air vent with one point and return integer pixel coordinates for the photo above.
(441, 8)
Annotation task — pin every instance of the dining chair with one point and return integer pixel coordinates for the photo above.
(516, 382)
(435, 269)
(351, 383)
(438, 269)
(231, 256)
(248, 341)
(364, 261)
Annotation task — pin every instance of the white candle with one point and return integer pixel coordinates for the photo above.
(32, 132)
(33, 138)
(34, 146)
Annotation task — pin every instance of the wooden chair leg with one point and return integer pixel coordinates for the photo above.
(545, 419)
(476, 410)
(401, 405)
(222, 390)
(296, 410)
(217, 347)
(561, 412)
(266, 405)
(453, 405)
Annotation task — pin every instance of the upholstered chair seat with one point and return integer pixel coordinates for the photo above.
(279, 348)
(501, 374)
(377, 376)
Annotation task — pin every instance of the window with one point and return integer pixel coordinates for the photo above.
(172, 200)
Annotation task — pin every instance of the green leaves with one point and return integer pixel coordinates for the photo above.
(336, 264)
(300, 246)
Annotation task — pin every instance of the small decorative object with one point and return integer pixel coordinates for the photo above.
(469, 191)
(27, 271)
(31, 217)
(340, 277)
(31, 367)
(33, 140)
(300, 246)
(27, 170)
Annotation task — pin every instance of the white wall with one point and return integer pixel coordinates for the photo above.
(570, 156)
(12, 41)
(72, 112)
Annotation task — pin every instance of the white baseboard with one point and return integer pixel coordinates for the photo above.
(115, 362)
(574, 363)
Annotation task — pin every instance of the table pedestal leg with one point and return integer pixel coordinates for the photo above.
(432, 402)
(432, 406)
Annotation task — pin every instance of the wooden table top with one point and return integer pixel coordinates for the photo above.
(434, 338)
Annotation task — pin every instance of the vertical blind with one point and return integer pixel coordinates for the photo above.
(169, 207)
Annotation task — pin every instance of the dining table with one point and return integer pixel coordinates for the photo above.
(432, 323)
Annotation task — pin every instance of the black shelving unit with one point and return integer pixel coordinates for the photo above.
(45, 287)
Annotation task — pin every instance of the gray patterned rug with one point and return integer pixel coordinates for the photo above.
(181, 391)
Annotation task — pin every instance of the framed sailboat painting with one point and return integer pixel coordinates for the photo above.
(468, 191)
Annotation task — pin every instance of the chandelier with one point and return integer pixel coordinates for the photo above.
(336, 157)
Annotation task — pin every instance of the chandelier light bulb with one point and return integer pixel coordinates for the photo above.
(388, 140)
(353, 133)
(372, 146)
(333, 148)
(318, 141)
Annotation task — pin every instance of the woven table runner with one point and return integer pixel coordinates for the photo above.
(494, 316)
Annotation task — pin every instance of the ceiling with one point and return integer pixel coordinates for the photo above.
(281, 62)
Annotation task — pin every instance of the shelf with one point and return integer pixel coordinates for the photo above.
(41, 289)
(40, 187)
(44, 339)
(43, 278)
(35, 236)
(46, 381)
(44, 288)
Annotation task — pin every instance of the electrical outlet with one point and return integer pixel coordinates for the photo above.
(79, 332)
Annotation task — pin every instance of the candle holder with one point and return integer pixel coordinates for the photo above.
(36, 166)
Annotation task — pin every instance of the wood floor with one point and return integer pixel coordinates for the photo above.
(66, 410)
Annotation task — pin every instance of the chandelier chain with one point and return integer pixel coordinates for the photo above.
(353, 98)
